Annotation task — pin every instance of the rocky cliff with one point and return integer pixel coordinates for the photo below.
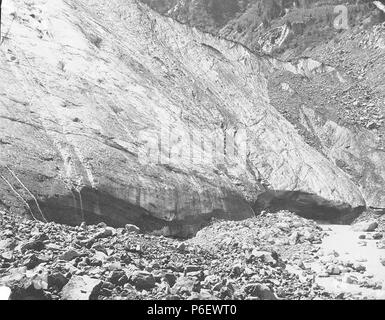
(111, 112)
(326, 80)
(284, 28)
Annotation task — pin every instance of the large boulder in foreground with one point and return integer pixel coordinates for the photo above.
(81, 288)
(110, 112)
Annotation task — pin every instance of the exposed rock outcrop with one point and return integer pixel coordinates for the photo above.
(234, 260)
(110, 112)
(327, 81)
(340, 111)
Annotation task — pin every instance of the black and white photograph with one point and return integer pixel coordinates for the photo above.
(204, 152)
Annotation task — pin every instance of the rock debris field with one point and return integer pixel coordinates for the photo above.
(272, 256)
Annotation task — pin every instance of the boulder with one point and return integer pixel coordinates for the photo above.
(81, 288)
(333, 270)
(368, 226)
(206, 295)
(26, 284)
(294, 238)
(377, 236)
(381, 244)
(186, 286)
(57, 281)
(142, 280)
(7, 244)
(34, 245)
(181, 247)
(349, 279)
(192, 268)
(100, 248)
(236, 270)
(170, 278)
(105, 233)
(32, 261)
(7, 256)
(265, 256)
(130, 228)
(118, 278)
(260, 291)
(70, 255)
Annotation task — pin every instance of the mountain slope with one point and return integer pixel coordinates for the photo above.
(326, 81)
(284, 28)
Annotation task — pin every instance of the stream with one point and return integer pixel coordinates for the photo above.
(343, 247)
